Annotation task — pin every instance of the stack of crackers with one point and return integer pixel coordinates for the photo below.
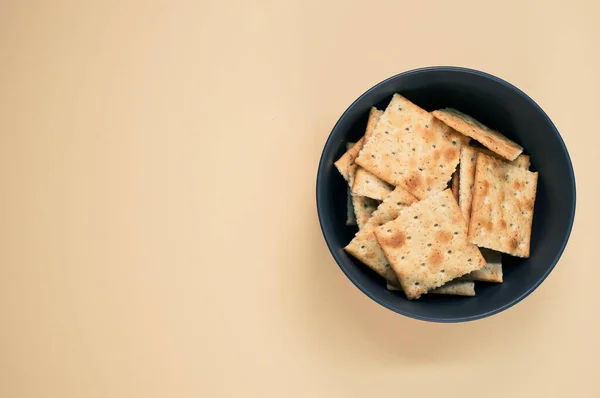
(414, 231)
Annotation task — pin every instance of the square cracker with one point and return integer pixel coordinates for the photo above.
(366, 184)
(468, 158)
(427, 245)
(457, 288)
(471, 127)
(363, 208)
(502, 211)
(345, 164)
(412, 149)
(364, 245)
(492, 272)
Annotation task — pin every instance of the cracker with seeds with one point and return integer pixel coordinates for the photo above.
(363, 208)
(366, 184)
(427, 244)
(522, 160)
(412, 149)
(456, 288)
(374, 116)
(502, 210)
(471, 127)
(345, 164)
(364, 245)
(492, 272)
(468, 158)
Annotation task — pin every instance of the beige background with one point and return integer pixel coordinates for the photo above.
(158, 231)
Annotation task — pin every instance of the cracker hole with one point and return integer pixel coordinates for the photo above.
(422, 264)
(373, 156)
(362, 247)
(442, 270)
(415, 217)
(469, 260)
(402, 258)
(407, 129)
(386, 132)
(455, 232)
(434, 146)
(429, 244)
(436, 225)
(449, 251)
(426, 126)
(453, 142)
(420, 168)
(416, 283)
(389, 230)
(413, 149)
(393, 153)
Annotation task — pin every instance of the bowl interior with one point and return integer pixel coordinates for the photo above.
(500, 106)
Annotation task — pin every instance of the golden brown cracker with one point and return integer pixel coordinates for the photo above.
(364, 245)
(366, 184)
(427, 245)
(503, 203)
(412, 149)
(471, 127)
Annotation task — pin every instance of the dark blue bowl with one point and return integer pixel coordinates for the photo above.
(499, 105)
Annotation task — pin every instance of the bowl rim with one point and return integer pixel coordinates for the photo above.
(320, 193)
